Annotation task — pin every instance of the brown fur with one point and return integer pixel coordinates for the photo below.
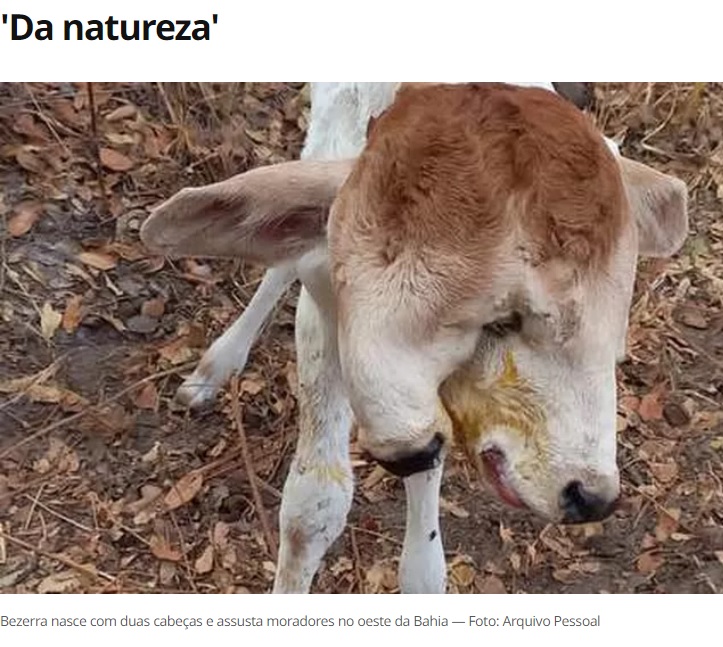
(452, 172)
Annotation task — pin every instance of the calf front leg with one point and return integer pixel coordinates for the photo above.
(318, 490)
(229, 353)
(423, 568)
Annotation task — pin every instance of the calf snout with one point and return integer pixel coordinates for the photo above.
(582, 504)
(421, 460)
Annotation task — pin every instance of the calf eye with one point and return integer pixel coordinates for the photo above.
(506, 326)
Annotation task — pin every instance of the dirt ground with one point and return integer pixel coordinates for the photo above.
(106, 485)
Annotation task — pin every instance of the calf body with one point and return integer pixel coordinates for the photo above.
(472, 287)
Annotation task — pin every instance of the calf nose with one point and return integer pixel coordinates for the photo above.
(580, 505)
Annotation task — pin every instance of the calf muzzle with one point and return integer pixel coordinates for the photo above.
(420, 461)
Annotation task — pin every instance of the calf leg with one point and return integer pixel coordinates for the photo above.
(230, 351)
(422, 568)
(318, 490)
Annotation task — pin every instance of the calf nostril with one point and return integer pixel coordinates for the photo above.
(580, 505)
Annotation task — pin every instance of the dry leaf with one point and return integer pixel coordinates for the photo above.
(664, 472)
(381, 577)
(52, 394)
(123, 112)
(114, 160)
(220, 535)
(564, 575)
(98, 260)
(461, 571)
(26, 215)
(667, 524)
(154, 308)
(49, 321)
(73, 314)
(204, 563)
(64, 582)
(28, 158)
(629, 404)
(651, 405)
(252, 386)
(184, 490)
(147, 397)
(163, 550)
(22, 383)
(719, 555)
(177, 352)
(490, 585)
(453, 509)
(649, 562)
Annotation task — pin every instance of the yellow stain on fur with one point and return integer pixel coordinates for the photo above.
(508, 401)
(329, 473)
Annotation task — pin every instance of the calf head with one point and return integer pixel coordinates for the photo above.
(482, 254)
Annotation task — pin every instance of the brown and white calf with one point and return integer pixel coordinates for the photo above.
(466, 279)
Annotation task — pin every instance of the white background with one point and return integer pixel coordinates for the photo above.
(380, 40)
(626, 619)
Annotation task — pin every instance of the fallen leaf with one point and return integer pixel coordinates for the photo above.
(143, 510)
(62, 582)
(629, 404)
(154, 308)
(185, 489)
(122, 112)
(26, 125)
(26, 215)
(147, 397)
(252, 386)
(341, 566)
(114, 160)
(664, 472)
(564, 575)
(667, 524)
(490, 585)
(28, 158)
(651, 405)
(99, 260)
(461, 571)
(454, 509)
(167, 572)
(204, 563)
(53, 394)
(73, 314)
(694, 319)
(649, 562)
(152, 455)
(21, 383)
(163, 550)
(381, 577)
(142, 324)
(177, 351)
(719, 555)
(49, 321)
(127, 251)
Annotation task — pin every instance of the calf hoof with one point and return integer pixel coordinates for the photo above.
(194, 393)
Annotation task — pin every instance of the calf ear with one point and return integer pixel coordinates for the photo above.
(659, 204)
(268, 215)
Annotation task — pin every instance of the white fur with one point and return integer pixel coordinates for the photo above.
(230, 352)
(317, 494)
